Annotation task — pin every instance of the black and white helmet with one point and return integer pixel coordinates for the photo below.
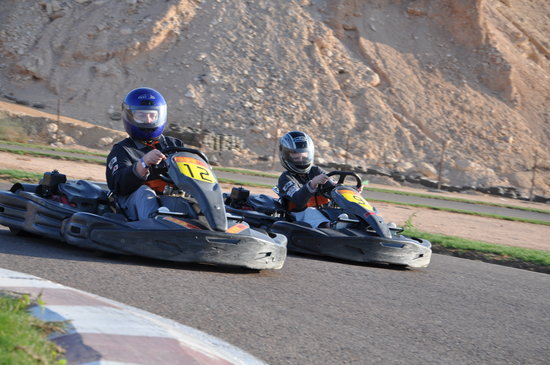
(296, 152)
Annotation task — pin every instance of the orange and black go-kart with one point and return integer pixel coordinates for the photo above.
(357, 232)
(192, 224)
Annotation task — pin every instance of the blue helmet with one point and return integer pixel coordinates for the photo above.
(144, 113)
(296, 152)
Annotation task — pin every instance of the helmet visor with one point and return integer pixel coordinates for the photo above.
(300, 158)
(145, 117)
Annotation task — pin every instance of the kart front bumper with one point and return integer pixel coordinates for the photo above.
(253, 251)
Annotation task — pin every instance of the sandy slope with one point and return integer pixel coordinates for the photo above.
(384, 83)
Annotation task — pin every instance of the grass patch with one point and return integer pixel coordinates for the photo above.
(244, 184)
(505, 252)
(469, 212)
(11, 130)
(23, 337)
(54, 156)
(18, 175)
(522, 258)
(461, 200)
(246, 172)
(50, 148)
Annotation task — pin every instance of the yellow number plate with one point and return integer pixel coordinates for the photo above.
(354, 197)
(195, 169)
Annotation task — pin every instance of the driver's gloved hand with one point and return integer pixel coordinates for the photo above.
(318, 180)
(153, 157)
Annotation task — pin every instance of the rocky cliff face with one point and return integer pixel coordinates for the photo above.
(388, 83)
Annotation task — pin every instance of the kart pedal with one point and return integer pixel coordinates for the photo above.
(342, 221)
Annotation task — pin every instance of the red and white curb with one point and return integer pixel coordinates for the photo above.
(104, 332)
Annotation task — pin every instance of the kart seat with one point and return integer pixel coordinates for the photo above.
(85, 195)
(264, 204)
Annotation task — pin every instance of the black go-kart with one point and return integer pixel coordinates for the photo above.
(191, 226)
(357, 233)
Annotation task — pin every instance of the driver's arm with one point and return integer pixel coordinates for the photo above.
(122, 175)
(151, 158)
(290, 190)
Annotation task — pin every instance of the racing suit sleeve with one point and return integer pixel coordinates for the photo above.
(122, 177)
(292, 190)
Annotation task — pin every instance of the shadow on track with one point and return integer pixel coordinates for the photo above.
(25, 244)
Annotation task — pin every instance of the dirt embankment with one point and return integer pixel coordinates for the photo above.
(385, 83)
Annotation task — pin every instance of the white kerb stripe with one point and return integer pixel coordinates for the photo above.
(101, 319)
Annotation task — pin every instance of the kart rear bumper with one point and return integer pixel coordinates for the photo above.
(25, 211)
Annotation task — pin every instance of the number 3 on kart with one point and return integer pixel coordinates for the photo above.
(195, 169)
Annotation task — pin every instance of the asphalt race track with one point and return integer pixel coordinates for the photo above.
(313, 311)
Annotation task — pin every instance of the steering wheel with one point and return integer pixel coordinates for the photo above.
(327, 188)
(162, 167)
(170, 150)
